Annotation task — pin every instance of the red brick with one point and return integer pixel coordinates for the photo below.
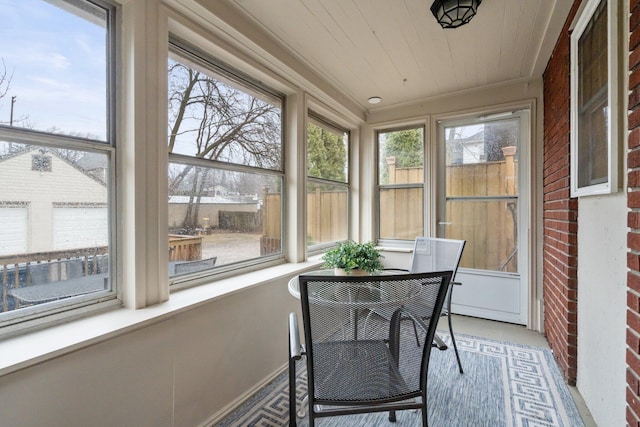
(634, 135)
(633, 281)
(633, 341)
(633, 261)
(633, 199)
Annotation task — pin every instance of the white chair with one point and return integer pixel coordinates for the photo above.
(436, 254)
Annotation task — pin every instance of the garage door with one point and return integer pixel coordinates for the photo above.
(13, 230)
(79, 227)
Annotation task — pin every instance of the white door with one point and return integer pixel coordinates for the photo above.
(483, 169)
(13, 230)
(79, 227)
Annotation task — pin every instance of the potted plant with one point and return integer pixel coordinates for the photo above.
(353, 258)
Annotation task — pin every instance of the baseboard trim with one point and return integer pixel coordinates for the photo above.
(235, 403)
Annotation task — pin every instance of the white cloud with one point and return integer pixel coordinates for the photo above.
(57, 61)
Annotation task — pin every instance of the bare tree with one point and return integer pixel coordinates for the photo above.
(5, 85)
(211, 119)
(5, 79)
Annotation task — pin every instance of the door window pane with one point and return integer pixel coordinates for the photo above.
(490, 229)
(481, 189)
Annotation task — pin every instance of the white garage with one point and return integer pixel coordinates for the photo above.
(80, 227)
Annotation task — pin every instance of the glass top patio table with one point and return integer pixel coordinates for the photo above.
(359, 293)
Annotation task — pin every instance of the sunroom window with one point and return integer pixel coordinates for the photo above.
(56, 157)
(225, 167)
(327, 183)
(400, 183)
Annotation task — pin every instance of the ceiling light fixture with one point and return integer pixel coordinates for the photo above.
(454, 13)
(375, 100)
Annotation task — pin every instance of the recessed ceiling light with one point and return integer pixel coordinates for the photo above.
(375, 100)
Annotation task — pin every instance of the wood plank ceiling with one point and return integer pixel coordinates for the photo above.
(396, 50)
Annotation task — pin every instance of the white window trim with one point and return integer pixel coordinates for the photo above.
(39, 316)
(320, 121)
(188, 51)
(613, 92)
(427, 194)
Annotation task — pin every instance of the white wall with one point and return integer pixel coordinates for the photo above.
(602, 261)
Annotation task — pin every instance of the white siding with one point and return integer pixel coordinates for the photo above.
(64, 185)
(602, 275)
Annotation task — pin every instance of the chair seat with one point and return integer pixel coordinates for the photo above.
(357, 372)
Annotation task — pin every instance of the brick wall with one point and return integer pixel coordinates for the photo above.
(560, 212)
(633, 200)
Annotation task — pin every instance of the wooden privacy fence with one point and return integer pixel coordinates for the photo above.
(481, 209)
(401, 213)
(326, 219)
(270, 241)
(326, 216)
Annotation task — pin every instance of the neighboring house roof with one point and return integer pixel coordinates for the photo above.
(79, 166)
(50, 180)
(91, 161)
(476, 137)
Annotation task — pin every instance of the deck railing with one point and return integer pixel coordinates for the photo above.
(16, 270)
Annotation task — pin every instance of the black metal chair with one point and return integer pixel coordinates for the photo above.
(356, 361)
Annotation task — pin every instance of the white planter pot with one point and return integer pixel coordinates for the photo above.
(354, 272)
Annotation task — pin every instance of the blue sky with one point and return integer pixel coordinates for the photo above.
(59, 66)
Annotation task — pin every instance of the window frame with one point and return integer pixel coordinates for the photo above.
(321, 121)
(190, 52)
(386, 241)
(613, 89)
(58, 311)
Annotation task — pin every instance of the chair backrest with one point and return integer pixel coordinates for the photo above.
(436, 254)
(343, 332)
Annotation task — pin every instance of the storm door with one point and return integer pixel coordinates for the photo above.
(481, 200)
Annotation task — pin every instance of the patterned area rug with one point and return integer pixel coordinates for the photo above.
(503, 384)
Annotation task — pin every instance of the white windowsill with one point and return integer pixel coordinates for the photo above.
(23, 351)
